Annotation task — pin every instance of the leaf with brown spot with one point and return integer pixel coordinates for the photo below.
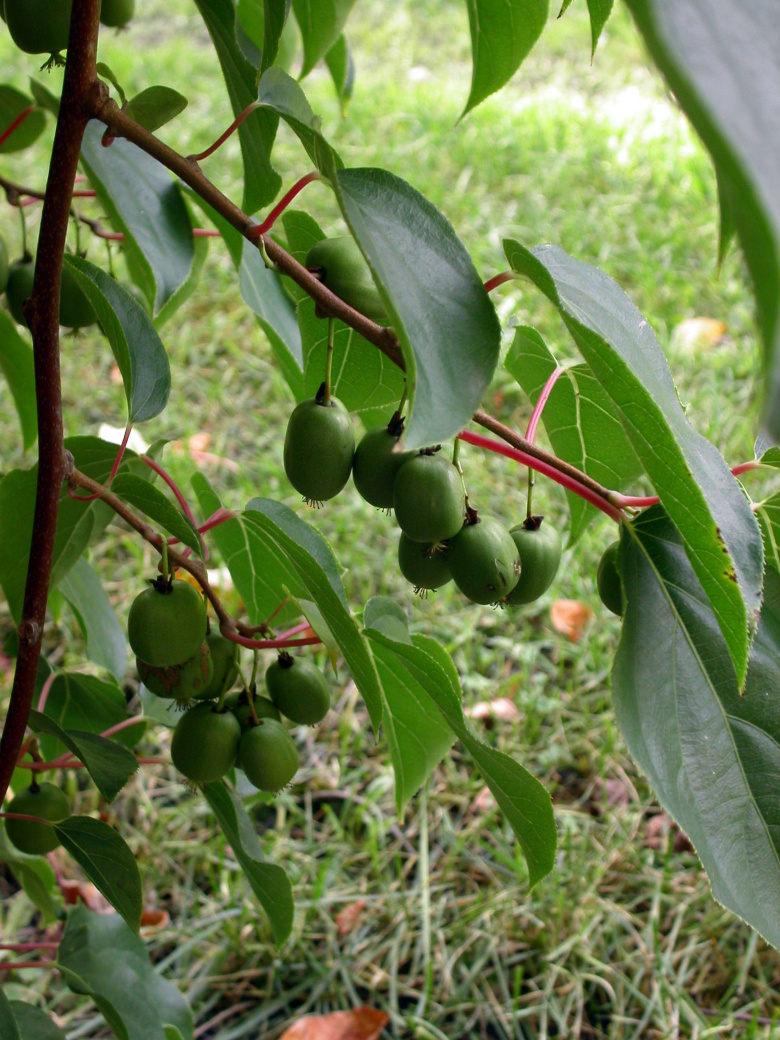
(363, 1023)
(569, 618)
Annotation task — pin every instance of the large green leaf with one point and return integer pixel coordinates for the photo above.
(267, 880)
(78, 523)
(274, 16)
(417, 734)
(578, 419)
(722, 60)
(104, 636)
(107, 862)
(83, 702)
(262, 291)
(599, 11)
(341, 67)
(142, 202)
(109, 763)
(694, 483)
(711, 755)
(34, 874)
(16, 364)
(502, 35)
(33, 1023)
(148, 499)
(257, 133)
(321, 23)
(279, 93)
(156, 106)
(446, 325)
(9, 1027)
(522, 798)
(136, 345)
(12, 103)
(102, 957)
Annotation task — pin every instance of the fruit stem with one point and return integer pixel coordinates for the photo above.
(329, 360)
(23, 223)
(499, 279)
(544, 396)
(529, 494)
(167, 573)
(228, 133)
(44, 695)
(255, 662)
(16, 123)
(172, 485)
(25, 816)
(284, 202)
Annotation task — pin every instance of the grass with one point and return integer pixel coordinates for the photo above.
(623, 939)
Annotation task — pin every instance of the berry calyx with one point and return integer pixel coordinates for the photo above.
(180, 682)
(39, 26)
(205, 743)
(539, 547)
(43, 800)
(339, 264)
(318, 448)
(428, 499)
(268, 755)
(224, 657)
(484, 561)
(608, 580)
(376, 463)
(425, 566)
(298, 689)
(167, 623)
(116, 13)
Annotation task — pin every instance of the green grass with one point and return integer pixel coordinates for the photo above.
(622, 940)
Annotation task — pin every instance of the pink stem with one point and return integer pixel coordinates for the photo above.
(16, 123)
(172, 485)
(281, 206)
(120, 453)
(230, 130)
(541, 467)
(85, 194)
(220, 517)
(14, 965)
(643, 501)
(125, 724)
(117, 236)
(24, 947)
(24, 816)
(268, 644)
(45, 691)
(294, 631)
(499, 279)
(539, 406)
(202, 232)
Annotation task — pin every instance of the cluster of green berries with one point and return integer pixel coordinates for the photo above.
(179, 660)
(47, 802)
(16, 281)
(41, 26)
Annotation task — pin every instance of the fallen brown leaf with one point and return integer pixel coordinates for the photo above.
(569, 617)
(73, 891)
(363, 1023)
(152, 917)
(347, 920)
(655, 834)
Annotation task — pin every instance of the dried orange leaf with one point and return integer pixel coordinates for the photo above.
(569, 617)
(347, 920)
(363, 1023)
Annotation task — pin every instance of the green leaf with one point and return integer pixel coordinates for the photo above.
(711, 755)
(16, 364)
(83, 702)
(599, 11)
(33, 1023)
(34, 874)
(279, 93)
(138, 349)
(233, 239)
(262, 291)
(446, 325)
(104, 959)
(256, 134)
(109, 763)
(107, 73)
(142, 201)
(156, 106)
(9, 1028)
(579, 421)
(771, 457)
(302, 233)
(502, 35)
(251, 21)
(321, 25)
(728, 225)
(104, 636)
(78, 523)
(694, 483)
(722, 61)
(12, 103)
(149, 500)
(267, 880)
(768, 514)
(341, 67)
(274, 17)
(521, 797)
(107, 862)
(44, 98)
(417, 734)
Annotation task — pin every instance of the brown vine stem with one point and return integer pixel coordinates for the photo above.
(42, 313)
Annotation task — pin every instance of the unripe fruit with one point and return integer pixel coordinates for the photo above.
(5, 268)
(224, 657)
(116, 13)
(268, 756)
(376, 465)
(539, 548)
(298, 689)
(425, 566)
(19, 287)
(180, 682)
(341, 266)
(608, 580)
(205, 743)
(76, 312)
(318, 449)
(39, 26)
(484, 561)
(428, 499)
(46, 801)
(264, 709)
(167, 623)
